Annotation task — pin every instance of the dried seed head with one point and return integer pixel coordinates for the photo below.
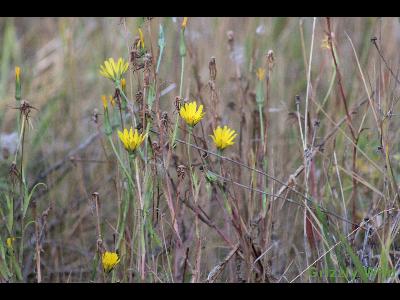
(156, 147)
(270, 58)
(95, 115)
(13, 173)
(139, 127)
(148, 59)
(178, 103)
(25, 108)
(117, 97)
(164, 119)
(230, 35)
(213, 68)
(181, 169)
(139, 97)
(292, 181)
(231, 39)
(100, 246)
(147, 112)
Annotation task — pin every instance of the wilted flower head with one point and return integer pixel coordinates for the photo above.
(109, 261)
(191, 114)
(131, 139)
(223, 137)
(112, 70)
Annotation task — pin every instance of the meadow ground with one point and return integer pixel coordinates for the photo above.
(301, 186)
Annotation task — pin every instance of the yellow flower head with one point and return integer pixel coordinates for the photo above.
(131, 140)
(260, 74)
(123, 84)
(184, 22)
(10, 241)
(191, 114)
(112, 70)
(17, 73)
(140, 43)
(223, 137)
(109, 260)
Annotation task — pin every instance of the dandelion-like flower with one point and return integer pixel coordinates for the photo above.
(191, 114)
(260, 74)
(109, 261)
(112, 70)
(131, 139)
(223, 137)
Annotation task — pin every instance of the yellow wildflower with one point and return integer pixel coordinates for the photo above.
(191, 114)
(104, 99)
(260, 74)
(223, 137)
(325, 43)
(109, 260)
(184, 22)
(112, 70)
(10, 241)
(140, 43)
(131, 140)
(123, 84)
(17, 73)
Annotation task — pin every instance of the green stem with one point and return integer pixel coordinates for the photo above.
(121, 162)
(182, 69)
(126, 200)
(175, 133)
(263, 196)
(226, 202)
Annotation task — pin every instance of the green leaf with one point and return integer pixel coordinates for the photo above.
(357, 263)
